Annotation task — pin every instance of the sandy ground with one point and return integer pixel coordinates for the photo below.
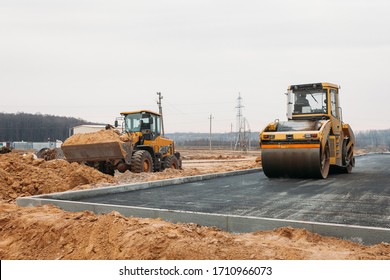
(49, 233)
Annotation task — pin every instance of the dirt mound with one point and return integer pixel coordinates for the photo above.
(24, 175)
(101, 136)
(47, 232)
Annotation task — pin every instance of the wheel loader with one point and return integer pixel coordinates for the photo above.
(313, 140)
(143, 149)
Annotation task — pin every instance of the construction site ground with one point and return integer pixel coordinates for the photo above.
(47, 232)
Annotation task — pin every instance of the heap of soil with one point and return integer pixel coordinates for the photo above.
(24, 175)
(101, 136)
(46, 232)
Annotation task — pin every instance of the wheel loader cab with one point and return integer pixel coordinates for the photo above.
(148, 123)
(151, 150)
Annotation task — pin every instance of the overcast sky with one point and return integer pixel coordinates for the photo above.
(94, 59)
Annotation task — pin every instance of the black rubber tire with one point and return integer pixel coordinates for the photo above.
(41, 152)
(171, 162)
(141, 161)
(347, 162)
(324, 162)
(106, 168)
(158, 165)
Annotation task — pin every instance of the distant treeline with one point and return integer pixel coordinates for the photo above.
(373, 138)
(36, 127)
(41, 128)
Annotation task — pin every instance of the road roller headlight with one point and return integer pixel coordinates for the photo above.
(311, 135)
(268, 137)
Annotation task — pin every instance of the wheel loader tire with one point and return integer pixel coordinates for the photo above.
(141, 161)
(106, 168)
(47, 154)
(171, 162)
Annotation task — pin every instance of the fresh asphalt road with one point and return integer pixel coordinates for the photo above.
(360, 198)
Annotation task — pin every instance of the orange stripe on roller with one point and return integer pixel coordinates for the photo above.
(290, 146)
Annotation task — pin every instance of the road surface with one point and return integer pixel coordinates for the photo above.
(360, 198)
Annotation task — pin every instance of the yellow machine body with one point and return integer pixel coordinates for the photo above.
(141, 149)
(314, 138)
(144, 129)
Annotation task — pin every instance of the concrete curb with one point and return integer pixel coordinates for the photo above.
(373, 153)
(230, 223)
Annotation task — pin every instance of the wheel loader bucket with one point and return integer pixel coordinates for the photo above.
(97, 152)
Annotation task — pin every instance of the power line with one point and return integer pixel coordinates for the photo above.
(160, 111)
(210, 118)
(241, 136)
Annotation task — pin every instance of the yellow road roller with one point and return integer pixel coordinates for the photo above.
(313, 140)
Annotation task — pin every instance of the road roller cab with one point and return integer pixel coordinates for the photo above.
(314, 138)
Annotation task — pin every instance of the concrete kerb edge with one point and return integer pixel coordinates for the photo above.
(230, 223)
(372, 153)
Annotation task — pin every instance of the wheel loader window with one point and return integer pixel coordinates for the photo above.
(138, 122)
(133, 122)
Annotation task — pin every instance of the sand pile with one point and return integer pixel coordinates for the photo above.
(47, 232)
(101, 136)
(24, 175)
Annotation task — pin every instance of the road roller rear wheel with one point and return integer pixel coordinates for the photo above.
(348, 160)
(325, 162)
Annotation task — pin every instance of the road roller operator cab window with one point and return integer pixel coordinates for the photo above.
(333, 103)
(309, 102)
